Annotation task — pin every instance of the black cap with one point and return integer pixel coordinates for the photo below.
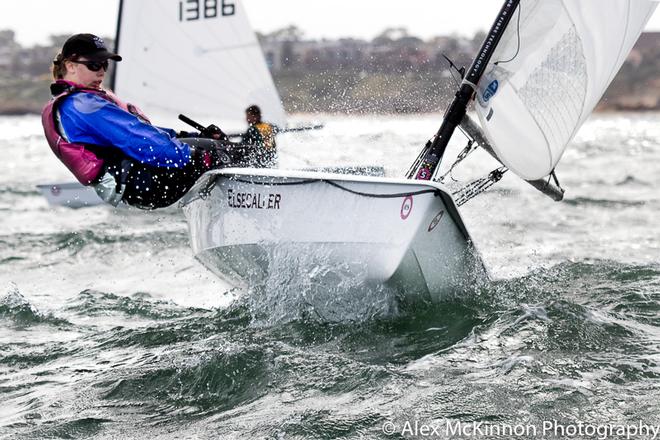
(253, 110)
(88, 46)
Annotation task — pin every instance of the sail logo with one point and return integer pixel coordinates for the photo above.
(490, 91)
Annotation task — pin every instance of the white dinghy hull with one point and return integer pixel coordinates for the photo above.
(70, 194)
(245, 224)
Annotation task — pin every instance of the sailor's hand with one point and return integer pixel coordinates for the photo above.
(214, 132)
(187, 134)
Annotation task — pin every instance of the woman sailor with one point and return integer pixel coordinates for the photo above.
(111, 145)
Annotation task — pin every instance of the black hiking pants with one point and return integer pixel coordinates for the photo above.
(149, 187)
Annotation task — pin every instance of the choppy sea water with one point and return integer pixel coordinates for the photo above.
(110, 329)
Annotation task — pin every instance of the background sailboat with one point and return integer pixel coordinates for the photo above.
(197, 58)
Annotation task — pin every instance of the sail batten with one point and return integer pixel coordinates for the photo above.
(197, 58)
(565, 55)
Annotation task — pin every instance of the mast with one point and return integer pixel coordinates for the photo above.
(431, 156)
(113, 79)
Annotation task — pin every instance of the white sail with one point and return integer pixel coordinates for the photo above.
(196, 57)
(554, 63)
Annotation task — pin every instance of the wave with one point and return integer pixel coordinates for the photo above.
(556, 333)
(91, 302)
(100, 241)
(83, 427)
(214, 379)
(75, 242)
(604, 203)
(593, 313)
(18, 310)
(20, 190)
(632, 180)
(191, 325)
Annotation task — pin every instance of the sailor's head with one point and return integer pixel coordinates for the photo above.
(83, 60)
(253, 114)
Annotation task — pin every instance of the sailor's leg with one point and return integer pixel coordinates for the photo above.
(155, 187)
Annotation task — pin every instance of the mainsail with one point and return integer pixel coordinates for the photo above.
(197, 57)
(552, 66)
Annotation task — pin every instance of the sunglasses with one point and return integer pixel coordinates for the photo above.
(94, 66)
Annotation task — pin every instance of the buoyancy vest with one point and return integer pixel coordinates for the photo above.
(267, 133)
(85, 165)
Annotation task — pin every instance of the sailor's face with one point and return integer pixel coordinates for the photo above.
(87, 72)
(250, 118)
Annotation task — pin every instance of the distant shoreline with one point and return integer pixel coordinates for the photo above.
(394, 74)
(601, 109)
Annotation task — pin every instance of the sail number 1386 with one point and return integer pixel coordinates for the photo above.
(190, 10)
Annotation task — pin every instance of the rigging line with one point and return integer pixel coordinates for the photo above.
(479, 186)
(343, 188)
(461, 156)
(299, 182)
(471, 188)
(418, 160)
(382, 196)
(554, 177)
(519, 43)
(422, 154)
(452, 68)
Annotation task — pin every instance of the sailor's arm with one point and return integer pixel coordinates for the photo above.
(89, 119)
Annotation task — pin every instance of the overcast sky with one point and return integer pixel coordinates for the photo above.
(34, 20)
